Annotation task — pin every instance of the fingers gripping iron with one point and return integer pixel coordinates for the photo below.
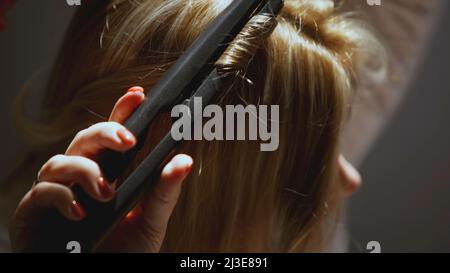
(192, 75)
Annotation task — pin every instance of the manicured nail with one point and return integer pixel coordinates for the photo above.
(188, 167)
(126, 136)
(105, 190)
(136, 89)
(77, 210)
(134, 214)
(183, 161)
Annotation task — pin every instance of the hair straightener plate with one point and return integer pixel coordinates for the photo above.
(193, 73)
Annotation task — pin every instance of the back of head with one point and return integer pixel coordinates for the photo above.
(238, 198)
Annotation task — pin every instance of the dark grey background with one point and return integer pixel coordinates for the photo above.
(404, 202)
(32, 38)
(405, 199)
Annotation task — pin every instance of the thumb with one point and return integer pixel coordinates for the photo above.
(164, 196)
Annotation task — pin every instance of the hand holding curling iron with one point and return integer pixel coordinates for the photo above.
(144, 227)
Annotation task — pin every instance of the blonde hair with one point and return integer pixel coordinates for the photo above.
(237, 198)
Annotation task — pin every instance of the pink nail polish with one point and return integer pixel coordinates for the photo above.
(77, 210)
(135, 89)
(105, 189)
(188, 167)
(126, 136)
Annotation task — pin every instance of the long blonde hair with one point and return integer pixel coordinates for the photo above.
(237, 198)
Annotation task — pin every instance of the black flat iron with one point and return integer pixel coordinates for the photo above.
(193, 75)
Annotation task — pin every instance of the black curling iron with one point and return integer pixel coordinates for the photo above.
(193, 75)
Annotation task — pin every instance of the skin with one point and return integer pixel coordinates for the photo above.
(349, 177)
(144, 228)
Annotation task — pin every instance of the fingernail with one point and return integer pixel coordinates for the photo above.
(135, 89)
(77, 210)
(189, 167)
(105, 190)
(184, 160)
(133, 215)
(182, 163)
(126, 136)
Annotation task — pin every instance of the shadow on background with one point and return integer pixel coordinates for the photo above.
(405, 200)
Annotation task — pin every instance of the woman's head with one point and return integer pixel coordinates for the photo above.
(238, 198)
